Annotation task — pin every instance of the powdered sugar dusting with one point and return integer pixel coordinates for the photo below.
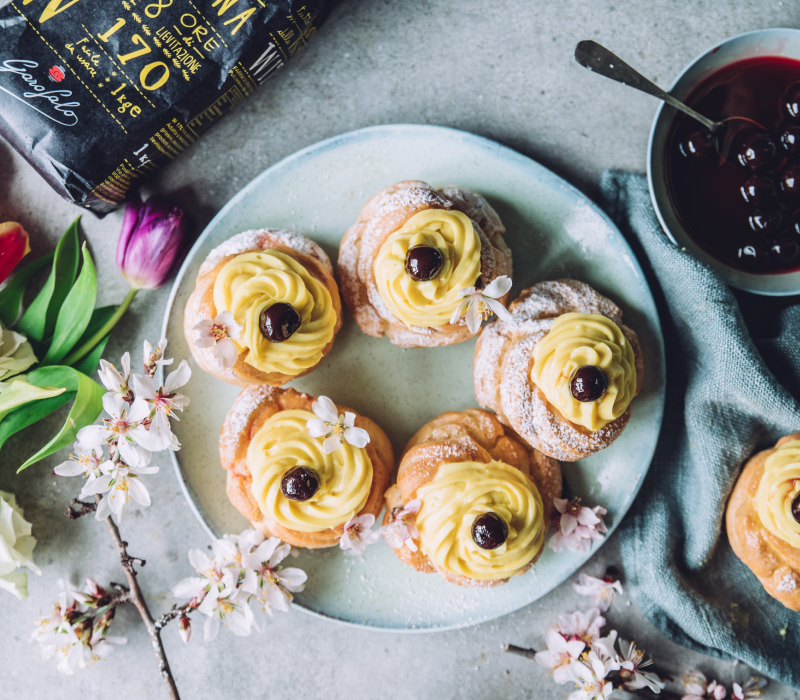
(254, 240)
(787, 584)
(234, 429)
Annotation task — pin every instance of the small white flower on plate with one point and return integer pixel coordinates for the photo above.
(358, 533)
(480, 304)
(220, 334)
(402, 530)
(334, 427)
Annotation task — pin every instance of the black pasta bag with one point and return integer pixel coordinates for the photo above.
(98, 94)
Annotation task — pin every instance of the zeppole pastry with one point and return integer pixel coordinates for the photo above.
(763, 519)
(562, 371)
(412, 264)
(300, 468)
(265, 308)
(471, 501)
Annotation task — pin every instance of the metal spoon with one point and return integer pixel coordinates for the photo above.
(599, 59)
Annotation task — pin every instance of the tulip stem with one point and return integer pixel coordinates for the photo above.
(86, 348)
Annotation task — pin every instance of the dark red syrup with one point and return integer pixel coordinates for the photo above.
(737, 193)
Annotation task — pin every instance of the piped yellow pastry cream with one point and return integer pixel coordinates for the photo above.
(577, 340)
(252, 282)
(460, 493)
(778, 495)
(430, 303)
(344, 475)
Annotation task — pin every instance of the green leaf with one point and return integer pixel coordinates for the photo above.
(28, 415)
(39, 321)
(88, 364)
(19, 393)
(86, 408)
(11, 296)
(76, 312)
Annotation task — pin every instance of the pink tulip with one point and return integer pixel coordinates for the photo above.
(150, 241)
(13, 247)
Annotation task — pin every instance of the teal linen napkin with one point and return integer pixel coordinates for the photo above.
(723, 404)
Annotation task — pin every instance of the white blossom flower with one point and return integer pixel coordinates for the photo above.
(113, 380)
(83, 462)
(630, 674)
(582, 626)
(270, 584)
(68, 635)
(232, 610)
(120, 483)
(694, 685)
(159, 405)
(591, 674)
(334, 427)
(358, 534)
(220, 334)
(559, 656)
(603, 590)
(481, 304)
(123, 431)
(154, 358)
(402, 529)
(576, 526)
(16, 353)
(604, 647)
(16, 547)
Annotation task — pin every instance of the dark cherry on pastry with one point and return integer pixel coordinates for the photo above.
(589, 383)
(300, 483)
(796, 508)
(489, 531)
(423, 262)
(279, 322)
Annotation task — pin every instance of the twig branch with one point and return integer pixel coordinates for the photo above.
(84, 509)
(137, 598)
(176, 611)
(519, 651)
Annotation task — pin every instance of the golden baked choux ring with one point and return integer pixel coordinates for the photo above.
(265, 308)
(413, 254)
(480, 501)
(763, 519)
(293, 485)
(562, 371)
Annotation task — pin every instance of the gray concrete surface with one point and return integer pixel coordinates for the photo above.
(503, 70)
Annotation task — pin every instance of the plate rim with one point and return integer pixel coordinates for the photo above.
(511, 154)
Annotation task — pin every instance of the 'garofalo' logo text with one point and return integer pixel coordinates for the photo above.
(37, 96)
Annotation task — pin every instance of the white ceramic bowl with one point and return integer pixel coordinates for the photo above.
(763, 42)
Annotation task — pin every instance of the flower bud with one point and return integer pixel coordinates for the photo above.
(102, 624)
(185, 628)
(14, 246)
(150, 241)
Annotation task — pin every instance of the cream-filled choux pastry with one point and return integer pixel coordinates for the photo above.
(561, 371)
(295, 478)
(265, 308)
(471, 501)
(763, 519)
(408, 265)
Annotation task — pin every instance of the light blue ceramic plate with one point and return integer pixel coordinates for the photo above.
(553, 231)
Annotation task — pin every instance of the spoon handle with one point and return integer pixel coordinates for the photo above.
(599, 59)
